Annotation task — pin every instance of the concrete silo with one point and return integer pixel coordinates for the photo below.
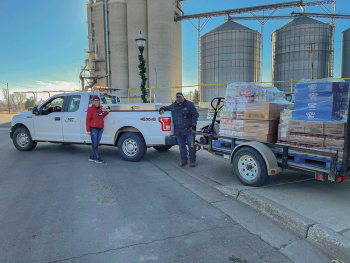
(345, 58)
(137, 21)
(97, 42)
(229, 53)
(291, 51)
(118, 45)
(164, 48)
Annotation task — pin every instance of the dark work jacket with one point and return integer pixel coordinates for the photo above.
(184, 116)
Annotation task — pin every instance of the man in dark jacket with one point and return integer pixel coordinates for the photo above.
(185, 117)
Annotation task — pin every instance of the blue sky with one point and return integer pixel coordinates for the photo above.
(43, 42)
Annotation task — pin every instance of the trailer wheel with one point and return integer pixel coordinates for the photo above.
(22, 140)
(162, 148)
(250, 167)
(132, 146)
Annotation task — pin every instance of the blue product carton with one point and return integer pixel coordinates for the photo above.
(339, 96)
(321, 87)
(306, 115)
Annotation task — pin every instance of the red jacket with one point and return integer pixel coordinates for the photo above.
(93, 120)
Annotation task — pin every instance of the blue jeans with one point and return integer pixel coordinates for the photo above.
(181, 140)
(95, 141)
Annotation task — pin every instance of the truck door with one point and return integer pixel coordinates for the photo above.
(48, 123)
(71, 120)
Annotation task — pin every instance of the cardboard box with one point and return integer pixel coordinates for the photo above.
(306, 140)
(264, 111)
(335, 129)
(314, 127)
(269, 138)
(331, 142)
(260, 127)
(296, 126)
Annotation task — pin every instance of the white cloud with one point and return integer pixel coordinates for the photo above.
(48, 86)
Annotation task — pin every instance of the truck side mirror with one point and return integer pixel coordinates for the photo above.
(35, 110)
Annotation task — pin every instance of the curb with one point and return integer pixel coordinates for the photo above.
(331, 241)
(323, 237)
(288, 219)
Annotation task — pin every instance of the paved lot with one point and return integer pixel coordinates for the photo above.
(57, 207)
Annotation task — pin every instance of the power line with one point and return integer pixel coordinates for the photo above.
(3, 83)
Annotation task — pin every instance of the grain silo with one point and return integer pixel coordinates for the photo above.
(118, 44)
(164, 48)
(137, 21)
(345, 58)
(229, 53)
(293, 47)
(125, 20)
(97, 42)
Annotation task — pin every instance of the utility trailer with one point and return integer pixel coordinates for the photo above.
(254, 162)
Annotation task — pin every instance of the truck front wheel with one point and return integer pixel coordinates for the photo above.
(22, 140)
(132, 146)
(250, 167)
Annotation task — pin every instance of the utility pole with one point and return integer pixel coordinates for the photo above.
(310, 47)
(8, 98)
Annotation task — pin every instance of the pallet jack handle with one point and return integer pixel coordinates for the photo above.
(216, 108)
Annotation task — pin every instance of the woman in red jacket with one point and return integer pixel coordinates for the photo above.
(94, 127)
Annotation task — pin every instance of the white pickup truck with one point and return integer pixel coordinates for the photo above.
(61, 119)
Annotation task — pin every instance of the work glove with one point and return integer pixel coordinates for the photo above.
(161, 110)
(193, 127)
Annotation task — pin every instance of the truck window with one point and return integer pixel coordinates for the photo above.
(74, 102)
(54, 105)
(107, 99)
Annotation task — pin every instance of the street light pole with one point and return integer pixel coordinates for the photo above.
(141, 43)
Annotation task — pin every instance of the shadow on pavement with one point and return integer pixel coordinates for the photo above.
(5, 125)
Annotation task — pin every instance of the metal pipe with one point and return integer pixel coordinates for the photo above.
(81, 77)
(108, 73)
(90, 15)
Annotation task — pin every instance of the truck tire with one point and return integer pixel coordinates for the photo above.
(250, 167)
(162, 148)
(22, 140)
(132, 146)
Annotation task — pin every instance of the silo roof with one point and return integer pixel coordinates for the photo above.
(302, 20)
(229, 25)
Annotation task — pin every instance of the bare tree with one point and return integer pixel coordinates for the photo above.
(189, 95)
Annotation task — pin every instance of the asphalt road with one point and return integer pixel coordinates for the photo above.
(58, 207)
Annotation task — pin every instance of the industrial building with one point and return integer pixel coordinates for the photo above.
(229, 53)
(345, 57)
(113, 58)
(298, 45)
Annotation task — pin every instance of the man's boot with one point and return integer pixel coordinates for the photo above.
(183, 163)
(193, 164)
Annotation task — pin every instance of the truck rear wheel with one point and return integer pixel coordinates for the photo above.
(132, 146)
(250, 167)
(162, 148)
(22, 140)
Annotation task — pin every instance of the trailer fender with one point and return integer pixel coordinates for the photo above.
(265, 152)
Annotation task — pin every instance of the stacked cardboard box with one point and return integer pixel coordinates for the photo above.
(318, 119)
(315, 135)
(252, 112)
